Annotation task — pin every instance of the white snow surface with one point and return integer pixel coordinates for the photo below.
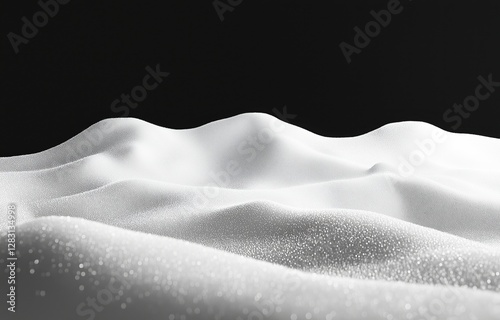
(253, 218)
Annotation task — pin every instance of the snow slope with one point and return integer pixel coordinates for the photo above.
(253, 218)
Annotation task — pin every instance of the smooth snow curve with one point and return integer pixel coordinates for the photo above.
(253, 218)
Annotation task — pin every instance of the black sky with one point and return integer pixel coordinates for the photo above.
(264, 55)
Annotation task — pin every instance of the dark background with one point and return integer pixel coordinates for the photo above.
(264, 55)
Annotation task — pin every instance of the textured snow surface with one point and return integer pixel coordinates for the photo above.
(253, 218)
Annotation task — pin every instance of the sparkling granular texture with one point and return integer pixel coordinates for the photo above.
(253, 218)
